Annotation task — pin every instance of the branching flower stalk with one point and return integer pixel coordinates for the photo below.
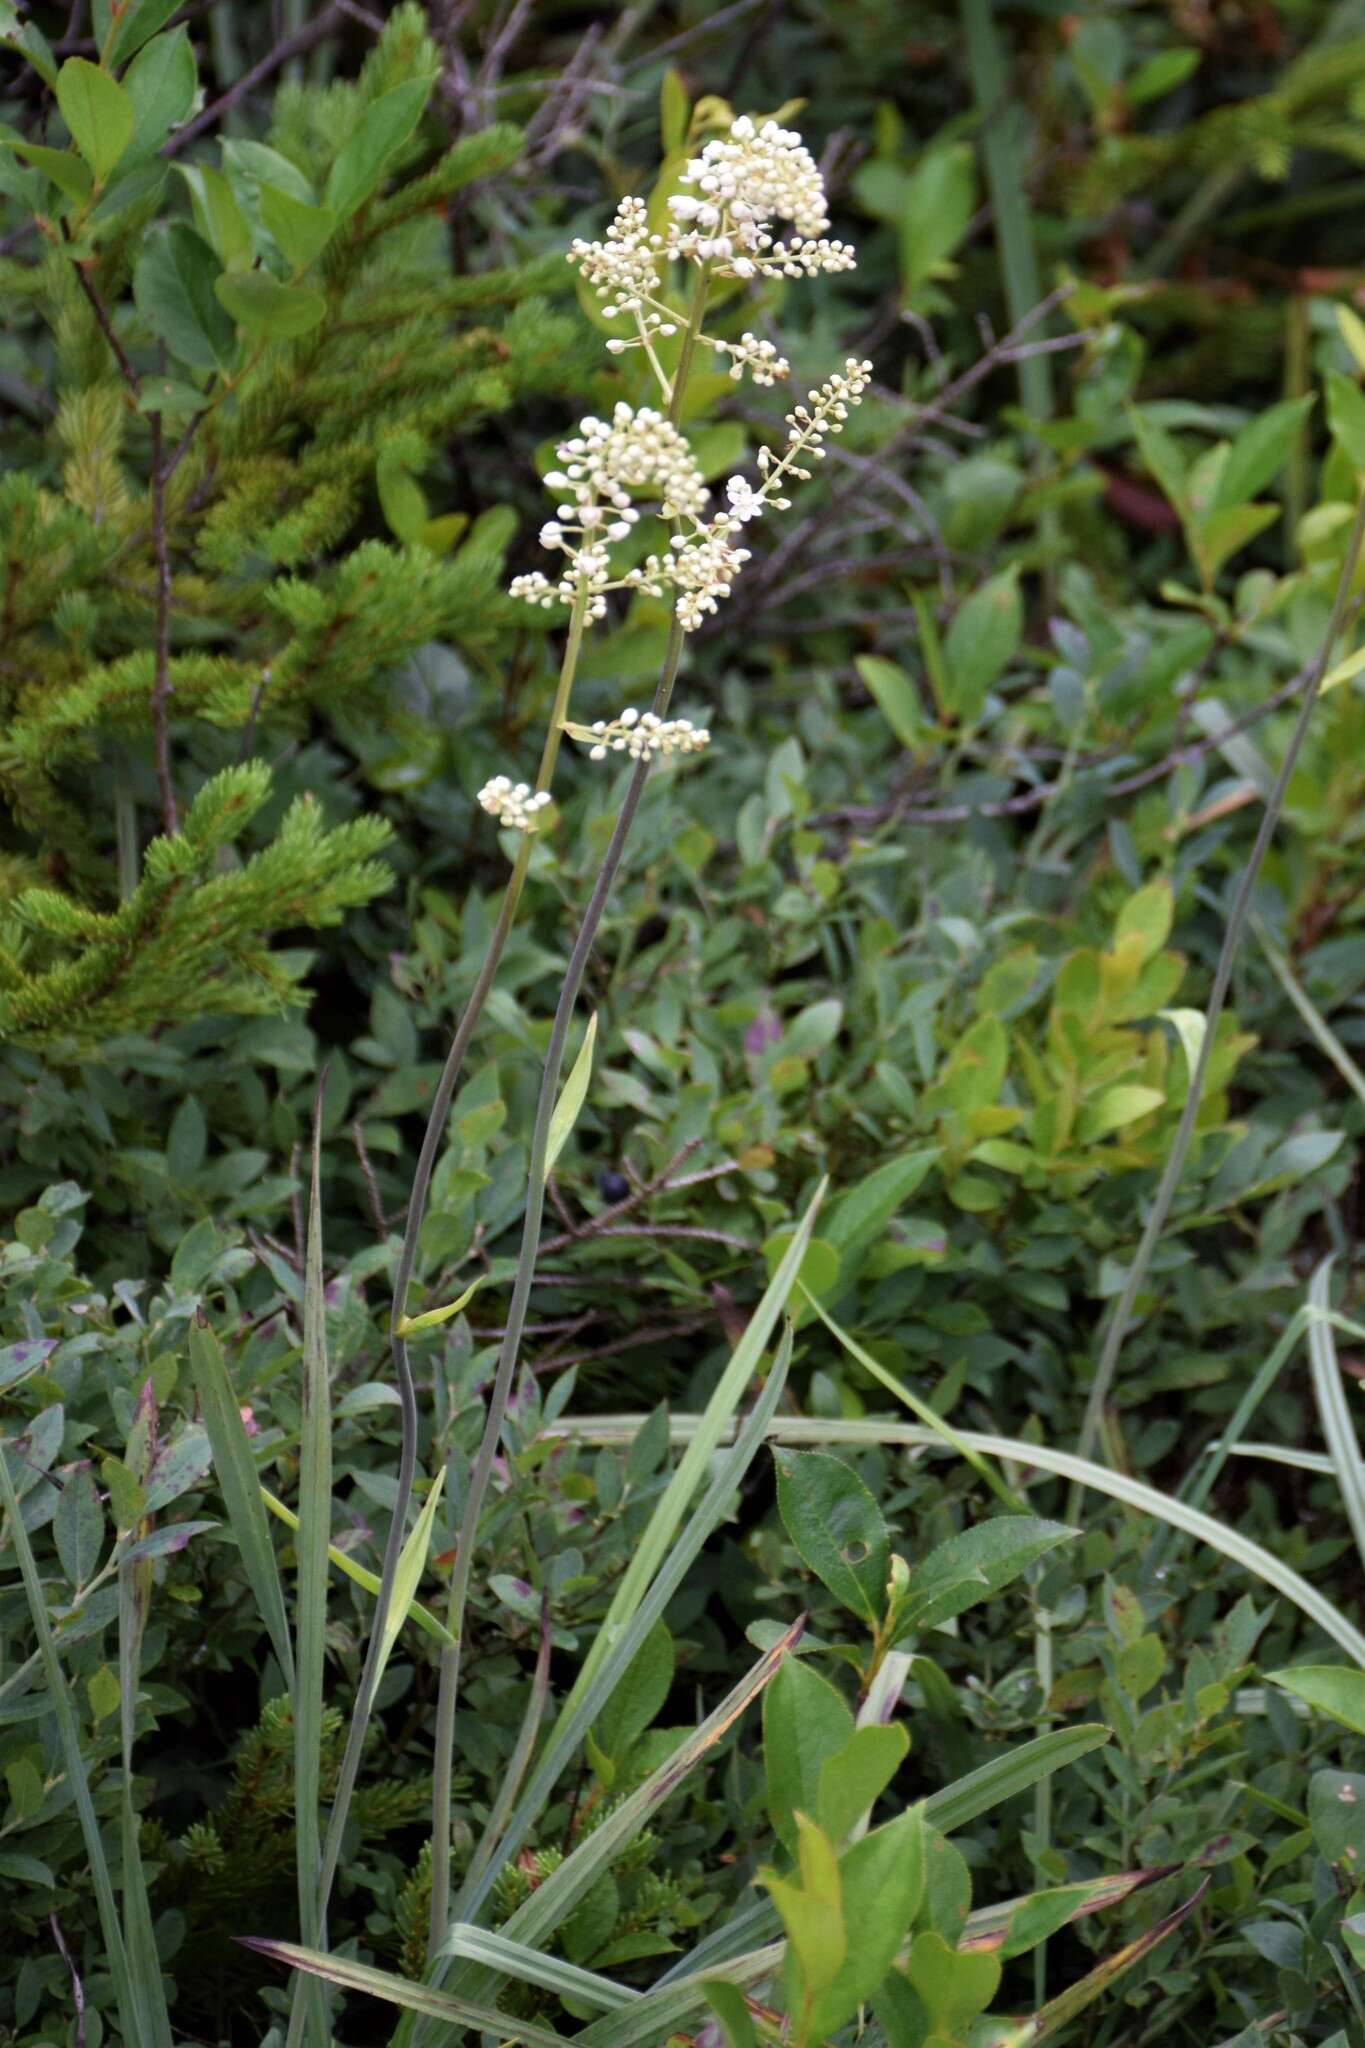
(722, 226)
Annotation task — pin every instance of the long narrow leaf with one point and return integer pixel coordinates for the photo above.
(572, 1098)
(712, 1424)
(412, 1563)
(308, 2019)
(1083, 1472)
(1060, 2011)
(514, 1775)
(1005, 1777)
(1329, 1391)
(359, 1576)
(144, 1965)
(437, 2005)
(576, 1719)
(550, 1904)
(239, 1483)
(116, 1955)
(531, 1966)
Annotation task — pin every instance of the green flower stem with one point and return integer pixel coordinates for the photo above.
(1232, 938)
(535, 1203)
(407, 1258)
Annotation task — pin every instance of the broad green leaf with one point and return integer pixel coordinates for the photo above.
(854, 1778)
(302, 232)
(1333, 1689)
(572, 1097)
(863, 1213)
(673, 112)
(60, 167)
(401, 497)
(30, 40)
(638, 1697)
(98, 112)
(1260, 451)
(953, 1986)
(837, 1528)
(728, 2002)
(1336, 1814)
(1344, 670)
(173, 285)
(1124, 1104)
(805, 1723)
(981, 642)
(811, 1907)
(1163, 457)
(894, 695)
(161, 82)
(1147, 917)
(381, 131)
(217, 215)
(265, 307)
(78, 1526)
(139, 23)
(973, 1567)
(236, 1473)
(1346, 417)
(883, 1881)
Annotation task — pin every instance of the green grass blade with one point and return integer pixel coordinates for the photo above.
(1005, 1777)
(515, 1774)
(308, 2019)
(1060, 2011)
(575, 1720)
(1329, 1391)
(239, 1484)
(1082, 1472)
(719, 1414)
(1285, 1454)
(421, 1616)
(1312, 1016)
(412, 1562)
(659, 2013)
(530, 1966)
(438, 2005)
(116, 1955)
(144, 1965)
(550, 1904)
(982, 1467)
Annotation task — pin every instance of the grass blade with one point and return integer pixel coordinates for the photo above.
(575, 1720)
(144, 1965)
(536, 1919)
(711, 1426)
(1082, 1472)
(1312, 1016)
(438, 2005)
(239, 1484)
(412, 1563)
(1329, 1391)
(116, 1955)
(572, 1097)
(530, 1966)
(308, 2019)
(515, 1773)
(1005, 1777)
(1060, 2011)
(982, 1467)
(422, 1616)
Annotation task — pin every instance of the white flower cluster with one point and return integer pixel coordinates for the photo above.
(640, 734)
(759, 358)
(514, 803)
(741, 183)
(624, 272)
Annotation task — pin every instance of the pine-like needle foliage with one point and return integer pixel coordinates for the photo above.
(251, 357)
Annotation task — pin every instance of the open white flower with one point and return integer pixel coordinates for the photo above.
(641, 735)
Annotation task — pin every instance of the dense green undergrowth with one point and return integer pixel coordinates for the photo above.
(898, 997)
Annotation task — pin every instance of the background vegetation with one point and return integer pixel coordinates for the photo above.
(936, 919)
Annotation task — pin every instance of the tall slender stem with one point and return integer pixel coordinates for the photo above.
(417, 1204)
(535, 1203)
(1232, 938)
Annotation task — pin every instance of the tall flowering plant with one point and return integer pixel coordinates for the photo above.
(751, 206)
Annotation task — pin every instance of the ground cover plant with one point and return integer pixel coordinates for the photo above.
(681, 992)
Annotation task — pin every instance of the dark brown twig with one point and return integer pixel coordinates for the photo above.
(314, 31)
(101, 313)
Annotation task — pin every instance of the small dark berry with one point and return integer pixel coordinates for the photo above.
(614, 1187)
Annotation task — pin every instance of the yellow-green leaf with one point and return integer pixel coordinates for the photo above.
(429, 1318)
(98, 112)
(572, 1099)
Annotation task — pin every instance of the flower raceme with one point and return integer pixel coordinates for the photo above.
(724, 222)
